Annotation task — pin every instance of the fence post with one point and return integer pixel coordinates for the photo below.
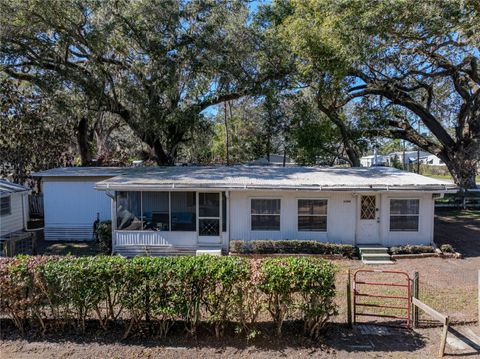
(415, 294)
(478, 297)
(349, 300)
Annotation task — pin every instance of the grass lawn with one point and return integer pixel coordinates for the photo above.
(460, 213)
(448, 177)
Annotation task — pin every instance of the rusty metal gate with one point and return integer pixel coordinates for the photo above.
(362, 289)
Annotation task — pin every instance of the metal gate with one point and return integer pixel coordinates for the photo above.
(361, 290)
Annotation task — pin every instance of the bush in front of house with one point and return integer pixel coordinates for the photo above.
(447, 248)
(151, 294)
(291, 247)
(104, 233)
(411, 249)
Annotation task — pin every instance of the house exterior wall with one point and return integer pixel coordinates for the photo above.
(71, 206)
(342, 217)
(15, 221)
(424, 236)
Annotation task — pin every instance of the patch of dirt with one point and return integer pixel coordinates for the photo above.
(338, 342)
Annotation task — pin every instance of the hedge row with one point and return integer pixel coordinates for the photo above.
(57, 292)
(291, 247)
(411, 249)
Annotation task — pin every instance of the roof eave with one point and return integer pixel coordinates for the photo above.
(177, 186)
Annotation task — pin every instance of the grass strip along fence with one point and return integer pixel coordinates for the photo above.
(51, 293)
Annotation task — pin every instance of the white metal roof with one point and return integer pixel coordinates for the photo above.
(83, 172)
(271, 177)
(7, 187)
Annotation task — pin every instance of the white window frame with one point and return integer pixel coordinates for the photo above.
(279, 215)
(312, 215)
(403, 215)
(9, 212)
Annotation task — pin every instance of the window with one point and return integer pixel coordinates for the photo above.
(6, 206)
(312, 215)
(265, 214)
(368, 207)
(129, 209)
(155, 211)
(184, 211)
(404, 215)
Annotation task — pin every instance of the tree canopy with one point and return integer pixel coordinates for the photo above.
(401, 61)
(157, 65)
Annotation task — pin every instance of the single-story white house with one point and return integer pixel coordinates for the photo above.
(195, 207)
(14, 213)
(71, 203)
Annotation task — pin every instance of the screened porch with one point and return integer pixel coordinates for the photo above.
(169, 218)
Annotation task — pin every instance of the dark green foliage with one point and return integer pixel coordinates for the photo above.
(156, 292)
(291, 247)
(447, 248)
(411, 249)
(104, 232)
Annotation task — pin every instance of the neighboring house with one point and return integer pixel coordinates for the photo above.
(374, 160)
(13, 208)
(407, 157)
(71, 203)
(205, 207)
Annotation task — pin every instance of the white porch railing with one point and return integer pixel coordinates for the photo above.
(140, 238)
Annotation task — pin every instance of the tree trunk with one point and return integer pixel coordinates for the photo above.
(462, 163)
(162, 157)
(82, 141)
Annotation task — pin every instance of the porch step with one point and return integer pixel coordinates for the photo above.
(373, 254)
(212, 252)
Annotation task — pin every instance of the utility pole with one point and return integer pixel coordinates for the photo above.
(418, 150)
(227, 138)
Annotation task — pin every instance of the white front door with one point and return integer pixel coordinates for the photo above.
(368, 221)
(209, 218)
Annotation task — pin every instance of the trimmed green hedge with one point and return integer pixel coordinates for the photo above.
(411, 249)
(291, 247)
(159, 291)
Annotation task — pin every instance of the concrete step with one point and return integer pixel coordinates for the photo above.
(374, 250)
(375, 255)
(212, 252)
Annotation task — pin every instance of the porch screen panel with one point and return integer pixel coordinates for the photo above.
(404, 215)
(184, 210)
(156, 211)
(224, 212)
(129, 211)
(265, 214)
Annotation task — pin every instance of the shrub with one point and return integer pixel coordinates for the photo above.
(447, 248)
(159, 291)
(312, 279)
(104, 233)
(411, 249)
(291, 247)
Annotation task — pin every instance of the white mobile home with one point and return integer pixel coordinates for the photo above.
(13, 208)
(205, 207)
(71, 203)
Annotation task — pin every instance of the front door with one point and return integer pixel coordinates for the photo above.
(209, 218)
(368, 223)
